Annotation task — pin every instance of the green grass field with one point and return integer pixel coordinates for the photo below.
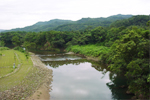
(8, 58)
(6, 62)
(24, 80)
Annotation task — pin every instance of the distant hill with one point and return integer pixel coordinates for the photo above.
(68, 25)
(1, 30)
(139, 20)
(92, 22)
(43, 26)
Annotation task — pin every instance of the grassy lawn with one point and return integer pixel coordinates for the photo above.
(22, 82)
(6, 62)
(6, 66)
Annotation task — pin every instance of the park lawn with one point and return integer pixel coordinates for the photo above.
(7, 60)
(16, 78)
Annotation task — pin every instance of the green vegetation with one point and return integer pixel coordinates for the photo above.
(135, 20)
(7, 61)
(89, 50)
(131, 56)
(4, 48)
(123, 45)
(68, 25)
(2, 43)
(128, 55)
(21, 81)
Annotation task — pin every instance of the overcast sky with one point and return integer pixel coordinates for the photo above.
(21, 13)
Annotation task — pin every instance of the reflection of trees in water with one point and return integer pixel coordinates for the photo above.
(118, 82)
(118, 86)
(56, 64)
(100, 67)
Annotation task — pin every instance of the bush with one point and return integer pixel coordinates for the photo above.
(19, 49)
(4, 48)
(89, 50)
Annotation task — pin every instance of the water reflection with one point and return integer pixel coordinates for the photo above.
(75, 78)
(79, 82)
(100, 67)
(118, 86)
(56, 64)
(62, 57)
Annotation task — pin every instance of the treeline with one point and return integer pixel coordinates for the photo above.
(124, 46)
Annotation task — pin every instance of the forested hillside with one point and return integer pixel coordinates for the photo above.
(68, 25)
(43, 26)
(135, 20)
(124, 46)
(85, 23)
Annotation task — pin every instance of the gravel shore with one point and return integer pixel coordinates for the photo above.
(42, 92)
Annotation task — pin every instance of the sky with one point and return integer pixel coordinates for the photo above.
(21, 13)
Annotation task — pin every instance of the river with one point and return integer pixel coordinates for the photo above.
(75, 78)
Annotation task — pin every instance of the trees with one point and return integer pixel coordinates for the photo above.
(2, 43)
(40, 40)
(6, 37)
(130, 56)
(16, 41)
(55, 38)
(12, 38)
(98, 34)
(30, 40)
(139, 20)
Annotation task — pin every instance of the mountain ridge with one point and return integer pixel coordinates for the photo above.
(69, 25)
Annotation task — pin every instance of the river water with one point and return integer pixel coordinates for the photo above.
(75, 78)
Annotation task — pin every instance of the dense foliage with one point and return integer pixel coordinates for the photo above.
(89, 50)
(135, 20)
(131, 56)
(124, 46)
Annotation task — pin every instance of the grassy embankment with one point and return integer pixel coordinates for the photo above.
(98, 52)
(6, 62)
(23, 80)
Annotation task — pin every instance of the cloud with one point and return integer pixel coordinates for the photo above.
(20, 13)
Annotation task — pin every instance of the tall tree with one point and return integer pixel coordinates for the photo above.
(16, 41)
(98, 34)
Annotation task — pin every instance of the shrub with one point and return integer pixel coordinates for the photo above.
(19, 49)
(4, 48)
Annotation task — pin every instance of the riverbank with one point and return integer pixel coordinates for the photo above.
(91, 52)
(87, 57)
(42, 92)
(107, 55)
